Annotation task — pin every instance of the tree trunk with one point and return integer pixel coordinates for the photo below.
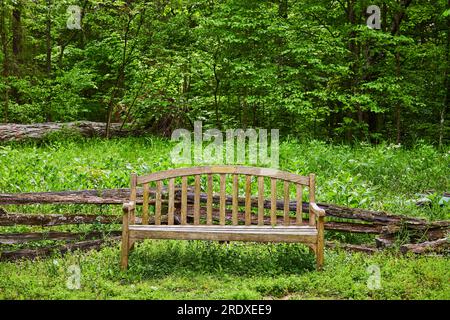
(120, 78)
(17, 31)
(216, 92)
(398, 107)
(395, 31)
(5, 71)
(48, 36)
(446, 84)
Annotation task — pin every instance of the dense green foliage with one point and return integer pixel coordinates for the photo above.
(311, 68)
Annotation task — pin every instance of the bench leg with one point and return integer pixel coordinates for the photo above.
(125, 242)
(320, 243)
(124, 252)
(319, 257)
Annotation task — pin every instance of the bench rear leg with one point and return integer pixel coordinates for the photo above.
(125, 250)
(319, 257)
(320, 243)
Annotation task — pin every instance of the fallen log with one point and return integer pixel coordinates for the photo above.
(48, 251)
(417, 232)
(106, 196)
(376, 217)
(46, 220)
(382, 242)
(119, 196)
(329, 225)
(17, 132)
(49, 220)
(368, 221)
(16, 238)
(427, 247)
(351, 247)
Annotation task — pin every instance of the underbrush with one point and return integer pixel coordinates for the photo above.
(382, 177)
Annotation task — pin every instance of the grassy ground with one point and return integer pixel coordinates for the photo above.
(381, 178)
(199, 270)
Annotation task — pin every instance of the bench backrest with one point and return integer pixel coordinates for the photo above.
(164, 193)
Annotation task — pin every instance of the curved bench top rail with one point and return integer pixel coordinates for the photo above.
(242, 170)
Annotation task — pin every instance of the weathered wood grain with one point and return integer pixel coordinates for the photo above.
(43, 252)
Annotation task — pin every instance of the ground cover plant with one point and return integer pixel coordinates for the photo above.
(383, 177)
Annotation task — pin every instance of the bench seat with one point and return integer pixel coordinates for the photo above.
(304, 234)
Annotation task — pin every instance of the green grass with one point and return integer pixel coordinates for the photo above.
(202, 270)
(375, 177)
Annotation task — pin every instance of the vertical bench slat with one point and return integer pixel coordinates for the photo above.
(170, 216)
(145, 204)
(158, 203)
(222, 199)
(209, 200)
(235, 199)
(312, 198)
(197, 200)
(248, 194)
(184, 200)
(299, 211)
(133, 196)
(273, 201)
(260, 201)
(286, 203)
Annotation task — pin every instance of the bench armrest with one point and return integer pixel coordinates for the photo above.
(128, 206)
(317, 210)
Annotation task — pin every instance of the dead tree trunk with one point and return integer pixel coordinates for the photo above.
(16, 132)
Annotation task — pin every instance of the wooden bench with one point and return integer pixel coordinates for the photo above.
(188, 206)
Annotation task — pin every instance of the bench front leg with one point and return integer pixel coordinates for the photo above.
(128, 209)
(320, 214)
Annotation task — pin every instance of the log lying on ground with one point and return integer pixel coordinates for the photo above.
(427, 247)
(49, 220)
(46, 220)
(382, 242)
(119, 196)
(375, 217)
(17, 132)
(44, 252)
(106, 196)
(351, 247)
(434, 229)
(329, 225)
(23, 237)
